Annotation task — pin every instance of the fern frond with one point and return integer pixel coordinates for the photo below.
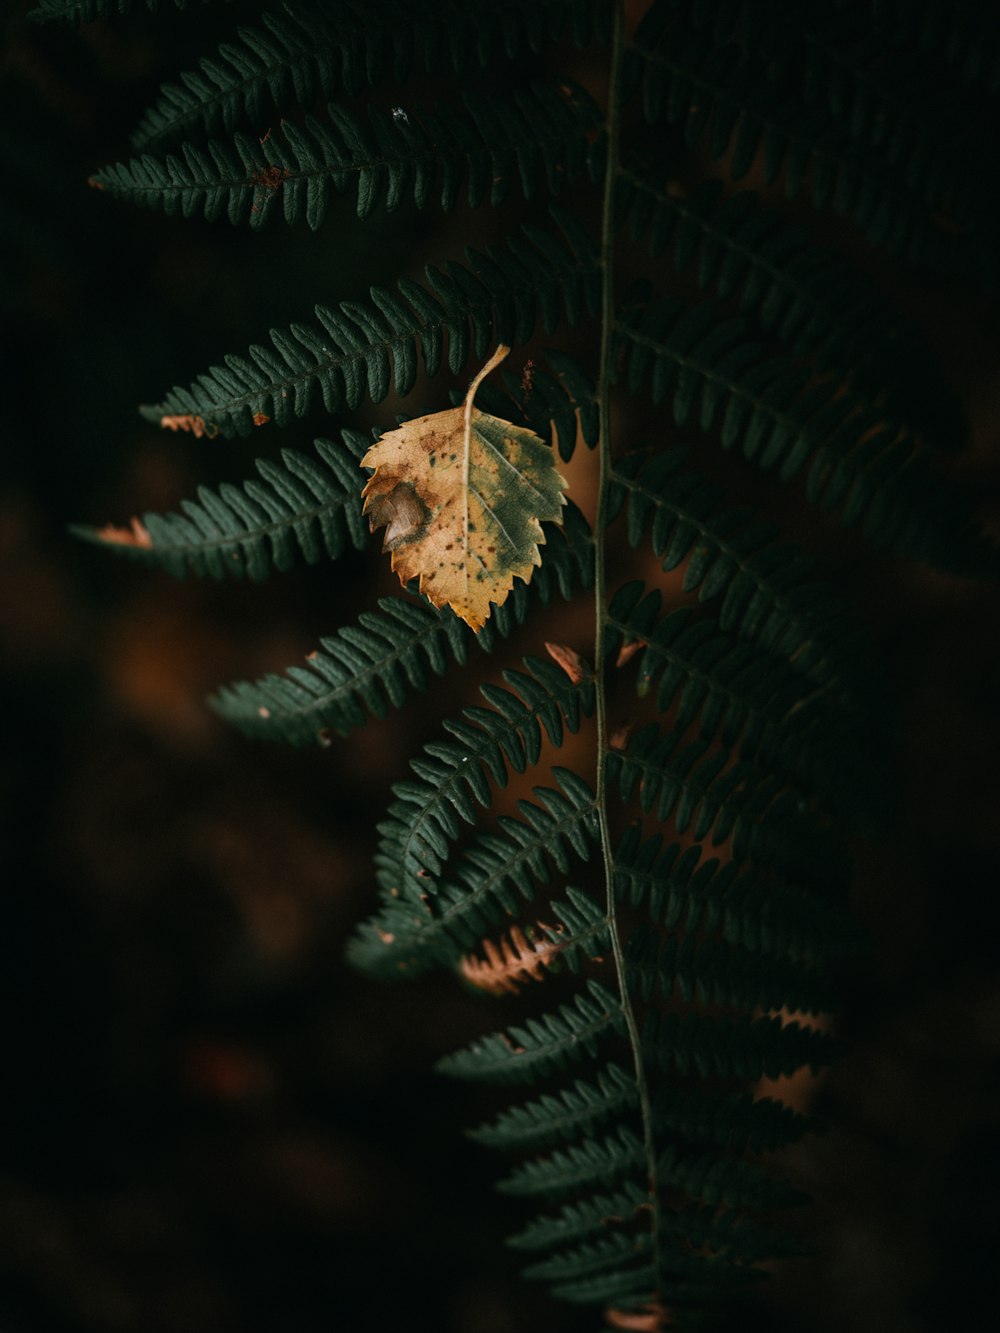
(299, 508)
(612, 1252)
(566, 399)
(716, 972)
(748, 698)
(580, 1221)
(566, 1115)
(371, 666)
(85, 11)
(495, 875)
(873, 471)
(516, 959)
(694, 786)
(449, 783)
(805, 295)
(965, 35)
(538, 136)
(734, 1047)
(837, 60)
(497, 296)
(591, 1163)
(582, 933)
(363, 669)
(760, 913)
(744, 1239)
(770, 592)
(319, 49)
(721, 95)
(732, 1121)
(723, 1180)
(634, 1285)
(542, 1045)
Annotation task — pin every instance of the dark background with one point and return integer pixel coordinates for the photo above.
(210, 1125)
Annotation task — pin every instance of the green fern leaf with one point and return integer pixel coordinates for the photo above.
(498, 296)
(736, 1122)
(318, 49)
(428, 811)
(580, 1221)
(300, 508)
(371, 666)
(361, 670)
(721, 94)
(593, 1163)
(737, 1047)
(542, 1045)
(538, 136)
(877, 473)
(566, 1115)
(757, 912)
(86, 11)
(715, 972)
(748, 698)
(770, 593)
(805, 295)
(499, 871)
(693, 785)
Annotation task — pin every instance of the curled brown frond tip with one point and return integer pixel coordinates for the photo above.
(517, 958)
(187, 421)
(570, 661)
(134, 535)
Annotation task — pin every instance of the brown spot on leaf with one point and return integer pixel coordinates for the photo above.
(402, 513)
(260, 418)
(270, 178)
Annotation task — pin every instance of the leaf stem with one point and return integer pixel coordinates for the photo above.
(600, 598)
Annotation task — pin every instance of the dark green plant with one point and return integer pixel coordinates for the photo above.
(697, 871)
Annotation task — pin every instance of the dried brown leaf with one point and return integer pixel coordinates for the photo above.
(462, 496)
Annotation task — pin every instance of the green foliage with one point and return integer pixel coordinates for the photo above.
(360, 350)
(88, 10)
(299, 508)
(540, 135)
(371, 665)
(671, 914)
(802, 294)
(313, 49)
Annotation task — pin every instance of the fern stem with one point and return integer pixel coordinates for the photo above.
(600, 599)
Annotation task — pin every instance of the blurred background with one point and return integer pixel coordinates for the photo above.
(210, 1125)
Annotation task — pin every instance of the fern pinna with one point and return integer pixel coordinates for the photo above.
(680, 900)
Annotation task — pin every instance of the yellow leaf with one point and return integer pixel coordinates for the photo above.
(462, 496)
